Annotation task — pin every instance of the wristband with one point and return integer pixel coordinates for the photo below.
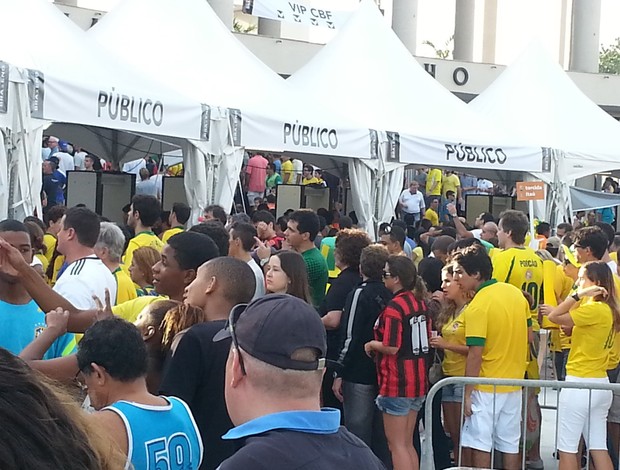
(575, 297)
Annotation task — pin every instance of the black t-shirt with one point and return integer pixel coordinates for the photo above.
(196, 375)
(288, 450)
(335, 299)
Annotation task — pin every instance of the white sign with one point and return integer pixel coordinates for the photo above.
(259, 132)
(299, 12)
(432, 152)
(123, 109)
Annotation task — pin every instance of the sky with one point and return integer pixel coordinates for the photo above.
(519, 22)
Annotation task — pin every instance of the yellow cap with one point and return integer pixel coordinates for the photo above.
(570, 256)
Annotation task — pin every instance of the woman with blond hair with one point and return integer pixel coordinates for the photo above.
(141, 269)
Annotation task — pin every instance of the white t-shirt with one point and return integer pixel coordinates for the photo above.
(65, 162)
(78, 160)
(260, 279)
(483, 186)
(613, 266)
(84, 278)
(412, 203)
(298, 170)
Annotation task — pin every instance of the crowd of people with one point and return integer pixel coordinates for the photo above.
(246, 341)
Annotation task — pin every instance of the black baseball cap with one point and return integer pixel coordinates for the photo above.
(273, 327)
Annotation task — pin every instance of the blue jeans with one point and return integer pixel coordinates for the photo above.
(364, 419)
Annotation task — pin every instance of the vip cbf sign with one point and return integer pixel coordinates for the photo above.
(298, 12)
(4, 87)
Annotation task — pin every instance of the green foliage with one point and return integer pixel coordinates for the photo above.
(441, 53)
(609, 58)
(239, 27)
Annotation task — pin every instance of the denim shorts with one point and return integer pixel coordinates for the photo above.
(399, 406)
(452, 393)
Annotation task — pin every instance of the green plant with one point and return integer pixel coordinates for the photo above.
(609, 58)
(441, 53)
(240, 27)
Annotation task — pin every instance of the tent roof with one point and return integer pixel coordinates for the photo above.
(36, 35)
(198, 54)
(367, 70)
(585, 199)
(536, 97)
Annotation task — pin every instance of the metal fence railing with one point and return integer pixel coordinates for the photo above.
(427, 460)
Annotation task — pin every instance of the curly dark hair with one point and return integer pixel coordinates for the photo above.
(349, 245)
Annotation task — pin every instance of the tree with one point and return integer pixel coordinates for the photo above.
(609, 58)
(239, 27)
(441, 53)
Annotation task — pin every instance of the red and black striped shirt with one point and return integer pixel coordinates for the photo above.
(403, 374)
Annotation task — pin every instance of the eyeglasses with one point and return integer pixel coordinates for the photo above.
(233, 318)
(386, 274)
(579, 246)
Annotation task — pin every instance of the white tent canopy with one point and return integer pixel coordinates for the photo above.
(535, 97)
(367, 71)
(198, 54)
(50, 71)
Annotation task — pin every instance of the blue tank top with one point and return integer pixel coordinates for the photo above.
(160, 437)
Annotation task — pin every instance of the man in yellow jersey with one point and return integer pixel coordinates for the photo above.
(143, 213)
(181, 258)
(287, 170)
(109, 249)
(432, 213)
(179, 215)
(433, 184)
(520, 266)
(451, 182)
(53, 219)
(496, 324)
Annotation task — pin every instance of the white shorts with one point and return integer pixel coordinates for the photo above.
(573, 416)
(493, 425)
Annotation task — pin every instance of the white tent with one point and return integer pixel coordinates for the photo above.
(198, 54)
(367, 71)
(55, 73)
(535, 97)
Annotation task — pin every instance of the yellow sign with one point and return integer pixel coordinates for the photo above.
(531, 191)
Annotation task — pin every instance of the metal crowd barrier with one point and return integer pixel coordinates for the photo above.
(427, 460)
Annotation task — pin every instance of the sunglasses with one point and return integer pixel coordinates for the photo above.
(233, 318)
(386, 274)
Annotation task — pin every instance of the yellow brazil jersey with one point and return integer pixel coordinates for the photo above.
(125, 289)
(453, 332)
(433, 175)
(592, 339)
(522, 268)
(497, 319)
(311, 180)
(50, 242)
(131, 309)
(433, 216)
(287, 172)
(141, 239)
(170, 232)
(450, 183)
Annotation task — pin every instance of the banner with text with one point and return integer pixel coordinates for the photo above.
(299, 12)
(132, 109)
(266, 133)
(491, 156)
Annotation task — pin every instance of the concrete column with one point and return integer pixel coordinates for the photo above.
(464, 30)
(271, 28)
(585, 37)
(490, 31)
(223, 9)
(405, 22)
(563, 29)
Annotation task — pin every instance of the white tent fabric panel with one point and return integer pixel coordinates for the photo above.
(362, 181)
(99, 90)
(220, 71)
(584, 199)
(367, 71)
(536, 97)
